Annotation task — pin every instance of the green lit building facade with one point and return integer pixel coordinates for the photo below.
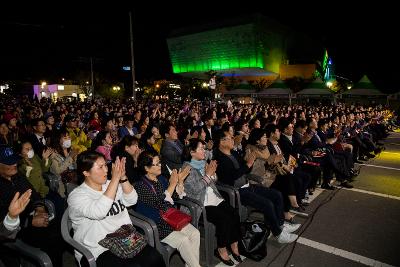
(255, 46)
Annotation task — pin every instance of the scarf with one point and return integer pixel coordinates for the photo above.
(199, 165)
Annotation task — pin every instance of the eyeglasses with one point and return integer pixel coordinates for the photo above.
(158, 164)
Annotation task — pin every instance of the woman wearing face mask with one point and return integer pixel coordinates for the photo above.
(63, 158)
(32, 166)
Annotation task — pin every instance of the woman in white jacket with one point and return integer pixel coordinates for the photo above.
(99, 207)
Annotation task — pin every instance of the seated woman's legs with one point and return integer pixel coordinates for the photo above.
(228, 234)
(258, 198)
(285, 184)
(187, 242)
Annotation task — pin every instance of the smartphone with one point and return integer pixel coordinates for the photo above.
(169, 170)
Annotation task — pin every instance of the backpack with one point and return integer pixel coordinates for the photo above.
(254, 239)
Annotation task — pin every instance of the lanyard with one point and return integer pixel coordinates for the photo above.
(149, 185)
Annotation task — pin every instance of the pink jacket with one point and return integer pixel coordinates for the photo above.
(105, 150)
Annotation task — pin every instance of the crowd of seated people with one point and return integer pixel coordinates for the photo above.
(273, 155)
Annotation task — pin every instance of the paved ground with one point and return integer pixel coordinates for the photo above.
(355, 227)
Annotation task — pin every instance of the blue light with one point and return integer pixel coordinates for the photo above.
(126, 68)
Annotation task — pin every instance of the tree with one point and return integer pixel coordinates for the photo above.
(296, 84)
(231, 83)
(260, 84)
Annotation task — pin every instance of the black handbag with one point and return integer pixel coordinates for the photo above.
(254, 240)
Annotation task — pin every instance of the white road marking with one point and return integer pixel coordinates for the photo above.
(372, 193)
(377, 166)
(340, 252)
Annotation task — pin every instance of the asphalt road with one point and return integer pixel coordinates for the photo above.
(355, 227)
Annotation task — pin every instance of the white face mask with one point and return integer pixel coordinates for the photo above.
(31, 153)
(67, 143)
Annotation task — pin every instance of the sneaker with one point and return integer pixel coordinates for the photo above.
(290, 228)
(286, 237)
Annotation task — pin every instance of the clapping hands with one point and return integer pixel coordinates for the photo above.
(211, 168)
(19, 203)
(118, 169)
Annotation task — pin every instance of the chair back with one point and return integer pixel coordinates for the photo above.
(67, 234)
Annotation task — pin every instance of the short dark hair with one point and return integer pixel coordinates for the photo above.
(220, 134)
(283, 124)
(270, 129)
(145, 159)
(301, 124)
(85, 162)
(164, 129)
(192, 146)
(255, 135)
(36, 121)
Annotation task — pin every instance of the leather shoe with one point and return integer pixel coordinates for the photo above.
(237, 257)
(327, 186)
(300, 208)
(369, 155)
(305, 204)
(226, 262)
(345, 184)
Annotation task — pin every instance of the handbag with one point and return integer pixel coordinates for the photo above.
(254, 238)
(172, 216)
(125, 242)
(176, 218)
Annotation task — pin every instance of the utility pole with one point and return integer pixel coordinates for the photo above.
(91, 76)
(133, 60)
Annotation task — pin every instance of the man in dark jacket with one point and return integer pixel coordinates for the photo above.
(37, 228)
(171, 150)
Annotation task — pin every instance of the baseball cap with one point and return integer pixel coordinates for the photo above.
(7, 155)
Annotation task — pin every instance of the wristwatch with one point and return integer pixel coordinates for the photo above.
(124, 180)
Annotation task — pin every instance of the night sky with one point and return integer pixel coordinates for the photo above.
(50, 43)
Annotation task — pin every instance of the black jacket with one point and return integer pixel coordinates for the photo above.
(7, 191)
(226, 171)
